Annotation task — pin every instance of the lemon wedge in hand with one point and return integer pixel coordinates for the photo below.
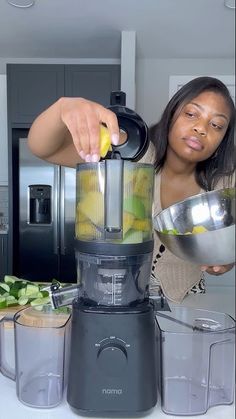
(105, 141)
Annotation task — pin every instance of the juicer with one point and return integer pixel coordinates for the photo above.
(112, 370)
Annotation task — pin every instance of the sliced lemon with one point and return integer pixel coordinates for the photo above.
(105, 141)
(92, 206)
(87, 230)
(128, 219)
(142, 225)
(198, 229)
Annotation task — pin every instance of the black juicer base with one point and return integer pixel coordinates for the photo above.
(113, 369)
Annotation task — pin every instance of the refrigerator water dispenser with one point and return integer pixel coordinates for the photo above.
(40, 204)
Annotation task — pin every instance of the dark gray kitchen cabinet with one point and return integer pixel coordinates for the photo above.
(3, 256)
(31, 89)
(34, 87)
(93, 82)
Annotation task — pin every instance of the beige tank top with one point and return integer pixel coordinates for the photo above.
(175, 276)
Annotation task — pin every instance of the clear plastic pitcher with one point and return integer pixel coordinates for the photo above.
(197, 354)
(39, 366)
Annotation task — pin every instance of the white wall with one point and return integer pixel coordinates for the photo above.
(152, 80)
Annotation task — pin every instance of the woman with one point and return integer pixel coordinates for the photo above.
(191, 149)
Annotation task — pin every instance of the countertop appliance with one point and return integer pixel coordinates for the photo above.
(43, 218)
(112, 369)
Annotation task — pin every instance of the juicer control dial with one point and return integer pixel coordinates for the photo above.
(112, 358)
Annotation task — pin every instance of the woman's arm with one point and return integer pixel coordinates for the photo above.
(68, 131)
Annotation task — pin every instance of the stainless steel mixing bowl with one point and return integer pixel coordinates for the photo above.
(213, 211)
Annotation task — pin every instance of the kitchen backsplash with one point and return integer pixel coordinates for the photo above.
(3, 208)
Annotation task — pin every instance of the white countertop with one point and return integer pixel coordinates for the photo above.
(218, 299)
(11, 408)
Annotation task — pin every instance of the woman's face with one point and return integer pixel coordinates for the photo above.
(199, 127)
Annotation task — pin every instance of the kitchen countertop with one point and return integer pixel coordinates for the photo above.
(217, 298)
(11, 408)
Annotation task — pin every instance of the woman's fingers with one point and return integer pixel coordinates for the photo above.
(218, 269)
(79, 134)
(106, 117)
(109, 118)
(211, 268)
(83, 119)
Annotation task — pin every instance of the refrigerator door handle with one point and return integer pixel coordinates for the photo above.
(62, 211)
(56, 209)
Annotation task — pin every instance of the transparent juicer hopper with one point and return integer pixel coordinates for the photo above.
(114, 231)
(114, 236)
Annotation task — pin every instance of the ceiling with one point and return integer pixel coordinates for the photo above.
(92, 29)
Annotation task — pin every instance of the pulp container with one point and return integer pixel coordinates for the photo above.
(196, 350)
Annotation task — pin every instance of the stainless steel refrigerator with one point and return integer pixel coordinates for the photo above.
(46, 219)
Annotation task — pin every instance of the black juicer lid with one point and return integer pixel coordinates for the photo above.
(134, 127)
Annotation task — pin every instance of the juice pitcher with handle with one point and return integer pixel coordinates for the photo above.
(41, 343)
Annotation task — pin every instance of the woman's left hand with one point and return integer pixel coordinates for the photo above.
(217, 270)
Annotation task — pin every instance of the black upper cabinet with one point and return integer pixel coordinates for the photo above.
(93, 82)
(31, 89)
(34, 87)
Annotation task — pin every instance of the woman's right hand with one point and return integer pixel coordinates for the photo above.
(83, 118)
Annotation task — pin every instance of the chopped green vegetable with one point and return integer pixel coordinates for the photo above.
(23, 300)
(134, 205)
(9, 279)
(15, 291)
(39, 302)
(174, 231)
(195, 230)
(31, 289)
(3, 302)
(11, 301)
(133, 237)
(21, 292)
(43, 294)
(10, 298)
(4, 287)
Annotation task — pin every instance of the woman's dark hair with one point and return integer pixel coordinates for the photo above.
(221, 163)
